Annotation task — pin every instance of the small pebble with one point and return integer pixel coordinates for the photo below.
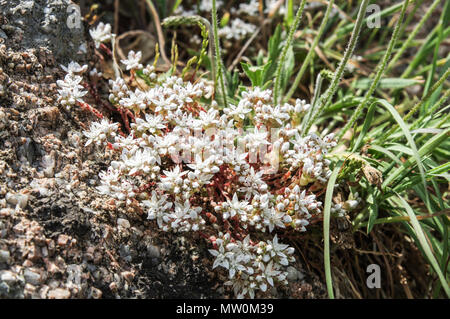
(59, 293)
(124, 223)
(4, 256)
(32, 277)
(153, 251)
(20, 200)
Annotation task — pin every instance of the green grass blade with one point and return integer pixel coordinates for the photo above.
(425, 246)
(326, 227)
(408, 137)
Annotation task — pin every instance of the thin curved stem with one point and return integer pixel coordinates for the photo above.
(204, 25)
(379, 73)
(328, 95)
(412, 35)
(219, 65)
(290, 37)
(161, 40)
(311, 52)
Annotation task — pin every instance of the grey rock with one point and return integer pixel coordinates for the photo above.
(3, 34)
(122, 222)
(4, 289)
(274, 292)
(8, 277)
(20, 200)
(292, 274)
(153, 251)
(125, 252)
(59, 293)
(32, 277)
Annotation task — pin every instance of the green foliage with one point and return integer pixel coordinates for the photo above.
(256, 74)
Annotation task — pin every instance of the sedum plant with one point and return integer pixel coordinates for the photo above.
(194, 168)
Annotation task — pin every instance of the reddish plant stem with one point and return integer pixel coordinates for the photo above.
(89, 108)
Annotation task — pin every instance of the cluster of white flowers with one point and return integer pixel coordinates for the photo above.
(242, 23)
(71, 91)
(184, 151)
(250, 9)
(179, 218)
(341, 209)
(132, 62)
(193, 167)
(99, 132)
(308, 154)
(252, 266)
(101, 34)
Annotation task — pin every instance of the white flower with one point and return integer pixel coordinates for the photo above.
(142, 160)
(253, 183)
(281, 251)
(149, 70)
(158, 206)
(74, 68)
(185, 217)
(118, 90)
(301, 106)
(272, 4)
(132, 62)
(250, 9)
(151, 124)
(110, 180)
(135, 100)
(221, 257)
(181, 11)
(273, 218)
(102, 33)
(128, 142)
(172, 180)
(270, 273)
(209, 118)
(255, 140)
(238, 111)
(94, 73)
(257, 93)
(235, 207)
(203, 166)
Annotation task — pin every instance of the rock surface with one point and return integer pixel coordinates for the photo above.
(50, 22)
